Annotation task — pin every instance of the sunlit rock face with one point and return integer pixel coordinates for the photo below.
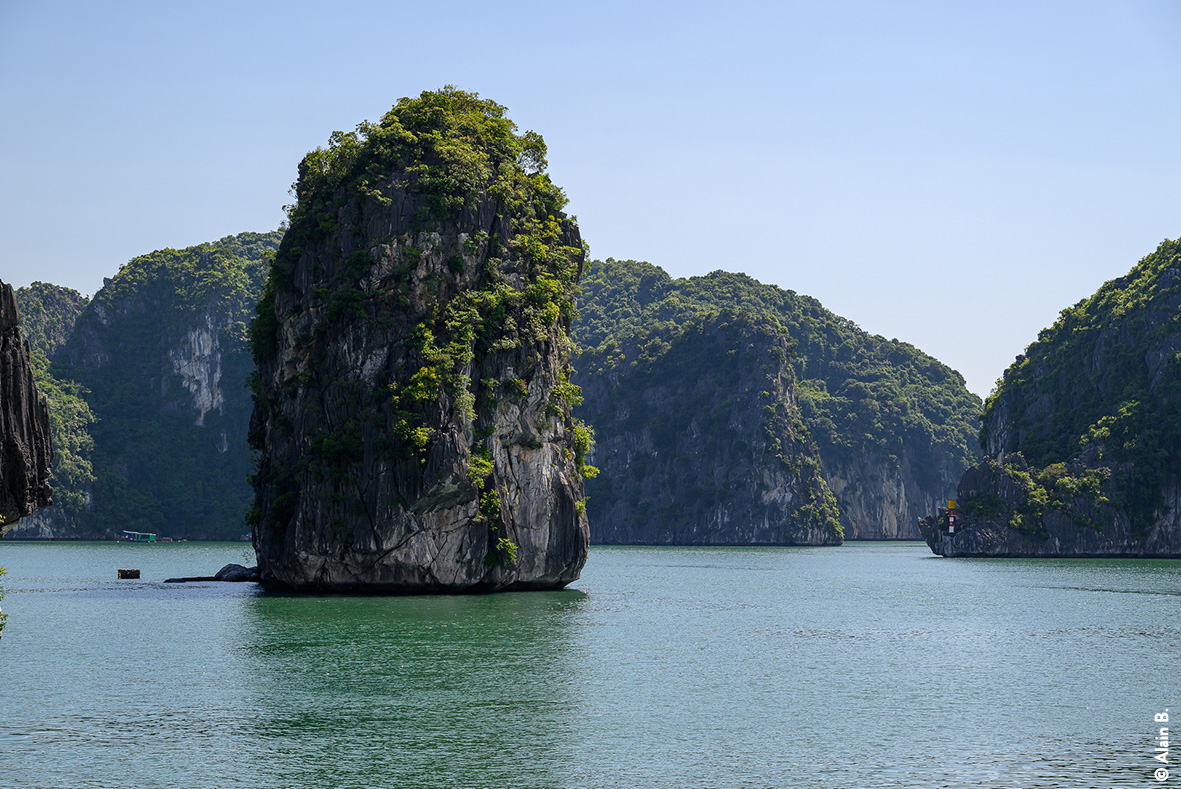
(25, 445)
(196, 360)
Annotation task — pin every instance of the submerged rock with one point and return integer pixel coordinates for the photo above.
(236, 573)
(412, 406)
(26, 449)
(229, 573)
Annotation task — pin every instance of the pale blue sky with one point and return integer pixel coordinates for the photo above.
(950, 174)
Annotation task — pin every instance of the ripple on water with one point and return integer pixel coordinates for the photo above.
(861, 666)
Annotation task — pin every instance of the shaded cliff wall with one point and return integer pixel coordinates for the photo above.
(895, 428)
(700, 440)
(412, 409)
(882, 496)
(26, 450)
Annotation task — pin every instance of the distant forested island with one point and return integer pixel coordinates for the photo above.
(146, 384)
(147, 387)
(891, 428)
(1083, 432)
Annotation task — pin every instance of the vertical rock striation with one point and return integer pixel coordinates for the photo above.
(882, 496)
(412, 405)
(26, 450)
(48, 314)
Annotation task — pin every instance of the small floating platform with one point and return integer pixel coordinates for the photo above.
(139, 536)
(126, 575)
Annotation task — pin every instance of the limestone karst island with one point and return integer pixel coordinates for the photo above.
(590, 396)
(1083, 433)
(413, 396)
(448, 395)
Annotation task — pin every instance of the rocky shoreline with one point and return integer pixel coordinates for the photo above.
(1008, 510)
(235, 573)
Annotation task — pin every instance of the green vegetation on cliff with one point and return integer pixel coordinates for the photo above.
(857, 392)
(1071, 490)
(1106, 375)
(48, 314)
(448, 151)
(151, 386)
(71, 419)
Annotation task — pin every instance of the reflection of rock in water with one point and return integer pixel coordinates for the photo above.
(414, 691)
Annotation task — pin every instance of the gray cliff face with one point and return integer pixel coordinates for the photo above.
(700, 440)
(882, 498)
(410, 524)
(48, 313)
(1004, 514)
(196, 362)
(26, 450)
(48, 523)
(411, 410)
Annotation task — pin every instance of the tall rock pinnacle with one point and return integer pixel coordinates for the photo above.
(412, 405)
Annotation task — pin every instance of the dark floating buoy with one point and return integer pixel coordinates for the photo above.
(128, 574)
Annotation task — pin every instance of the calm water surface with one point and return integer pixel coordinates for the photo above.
(868, 665)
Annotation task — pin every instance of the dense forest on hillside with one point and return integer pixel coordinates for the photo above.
(163, 350)
(1104, 380)
(858, 393)
(48, 313)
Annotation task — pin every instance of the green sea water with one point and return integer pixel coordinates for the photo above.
(868, 665)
